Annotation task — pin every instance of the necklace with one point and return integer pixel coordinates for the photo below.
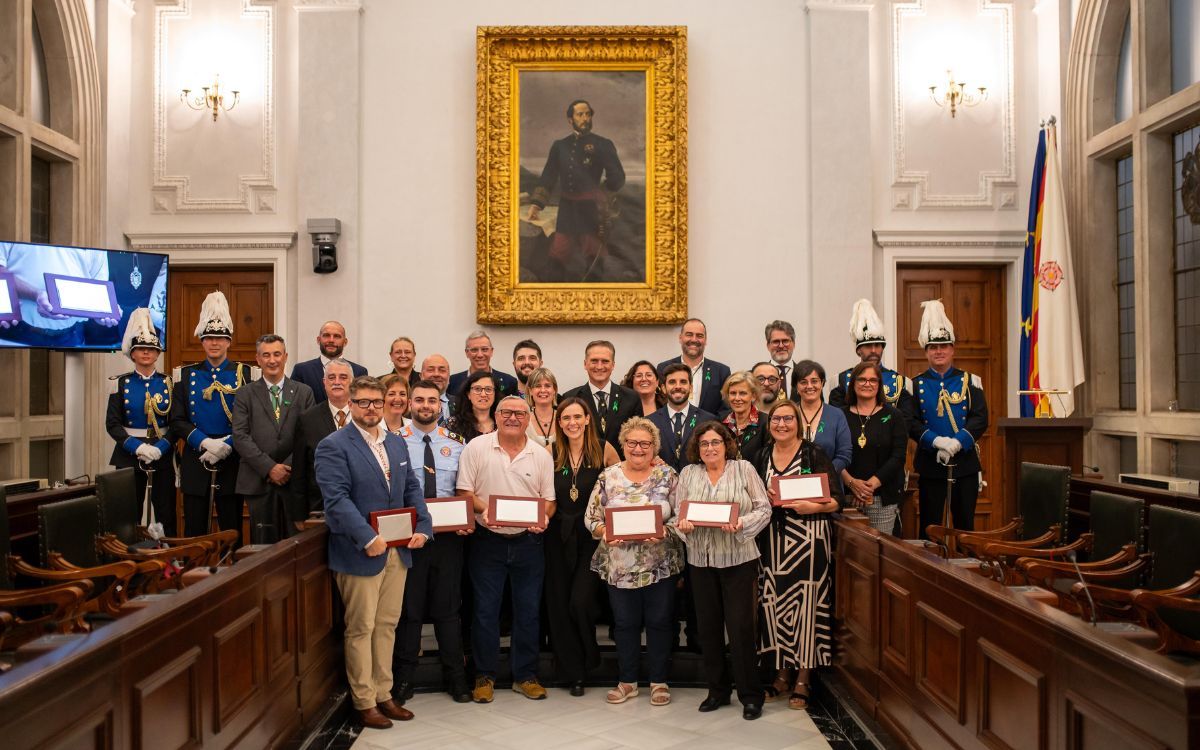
(574, 493)
(862, 429)
(545, 430)
(808, 422)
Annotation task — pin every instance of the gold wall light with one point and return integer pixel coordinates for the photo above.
(212, 100)
(955, 94)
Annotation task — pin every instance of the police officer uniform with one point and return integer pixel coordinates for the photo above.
(433, 589)
(951, 416)
(202, 416)
(138, 414)
(867, 328)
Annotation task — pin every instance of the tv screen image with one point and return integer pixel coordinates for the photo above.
(64, 297)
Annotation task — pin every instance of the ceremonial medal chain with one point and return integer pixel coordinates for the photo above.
(862, 429)
(574, 492)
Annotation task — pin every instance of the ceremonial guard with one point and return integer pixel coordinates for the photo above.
(138, 419)
(951, 416)
(866, 328)
(202, 416)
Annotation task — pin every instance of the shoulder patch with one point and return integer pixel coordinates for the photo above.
(177, 373)
(976, 381)
(116, 383)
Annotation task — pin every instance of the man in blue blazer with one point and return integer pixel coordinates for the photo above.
(708, 376)
(360, 469)
(332, 341)
(678, 419)
(479, 354)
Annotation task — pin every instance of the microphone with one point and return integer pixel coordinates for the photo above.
(212, 569)
(1093, 469)
(1079, 573)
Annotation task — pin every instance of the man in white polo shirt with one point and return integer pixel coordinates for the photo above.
(506, 462)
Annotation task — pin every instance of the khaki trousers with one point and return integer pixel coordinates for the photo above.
(373, 606)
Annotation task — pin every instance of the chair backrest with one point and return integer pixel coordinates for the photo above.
(6, 581)
(69, 527)
(120, 507)
(1173, 543)
(1116, 520)
(1043, 498)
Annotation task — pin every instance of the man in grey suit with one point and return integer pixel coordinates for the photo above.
(264, 431)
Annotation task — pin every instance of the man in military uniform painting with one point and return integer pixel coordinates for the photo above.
(202, 416)
(586, 169)
(869, 341)
(951, 416)
(137, 418)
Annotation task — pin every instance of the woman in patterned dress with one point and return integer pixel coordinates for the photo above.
(796, 629)
(640, 575)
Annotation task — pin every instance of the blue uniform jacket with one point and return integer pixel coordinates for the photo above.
(950, 405)
(136, 402)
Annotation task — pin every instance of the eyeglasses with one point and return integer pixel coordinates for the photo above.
(783, 419)
(711, 443)
(643, 444)
(767, 379)
(868, 381)
(483, 390)
(367, 403)
(512, 414)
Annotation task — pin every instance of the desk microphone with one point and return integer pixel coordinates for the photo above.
(1078, 572)
(212, 569)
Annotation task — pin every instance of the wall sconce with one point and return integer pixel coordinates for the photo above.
(211, 101)
(955, 94)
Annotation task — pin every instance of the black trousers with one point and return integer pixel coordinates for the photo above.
(268, 517)
(727, 600)
(432, 591)
(962, 504)
(195, 513)
(162, 497)
(572, 606)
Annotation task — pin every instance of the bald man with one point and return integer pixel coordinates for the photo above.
(436, 369)
(331, 340)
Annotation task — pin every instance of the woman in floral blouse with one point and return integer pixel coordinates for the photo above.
(640, 575)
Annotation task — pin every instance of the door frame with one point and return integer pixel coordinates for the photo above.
(962, 248)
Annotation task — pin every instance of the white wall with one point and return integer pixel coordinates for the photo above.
(747, 178)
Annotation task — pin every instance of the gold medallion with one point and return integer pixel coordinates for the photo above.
(574, 493)
(862, 440)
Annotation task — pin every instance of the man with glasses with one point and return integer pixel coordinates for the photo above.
(479, 354)
(867, 330)
(781, 343)
(316, 423)
(506, 462)
(434, 587)
(361, 469)
(266, 418)
(767, 376)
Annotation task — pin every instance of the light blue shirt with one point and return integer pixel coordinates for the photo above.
(446, 451)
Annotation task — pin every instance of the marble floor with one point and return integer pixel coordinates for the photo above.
(561, 721)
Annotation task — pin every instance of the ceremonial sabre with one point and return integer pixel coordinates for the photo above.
(947, 518)
(212, 495)
(153, 527)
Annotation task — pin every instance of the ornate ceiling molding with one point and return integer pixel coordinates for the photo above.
(173, 193)
(209, 240)
(989, 180)
(949, 238)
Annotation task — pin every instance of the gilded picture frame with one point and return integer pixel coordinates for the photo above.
(574, 225)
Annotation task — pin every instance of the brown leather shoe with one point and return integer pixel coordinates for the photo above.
(373, 719)
(390, 709)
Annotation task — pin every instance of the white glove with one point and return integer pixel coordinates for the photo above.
(209, 458)
(222, 450)
(942, 443)
(955, 446)
(148, 453)
(943, 457)
(209, 445)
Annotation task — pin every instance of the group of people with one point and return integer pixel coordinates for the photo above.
(688, 430)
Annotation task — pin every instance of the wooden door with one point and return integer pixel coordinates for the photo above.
(974, 297)
(251, 305)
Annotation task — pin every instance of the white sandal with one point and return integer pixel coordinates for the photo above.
(660, 694)
(622, 692)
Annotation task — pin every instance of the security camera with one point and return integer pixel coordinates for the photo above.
(325, 233)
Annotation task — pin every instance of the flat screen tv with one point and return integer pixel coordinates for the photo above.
(76, 298)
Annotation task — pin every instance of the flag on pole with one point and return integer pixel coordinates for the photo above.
(1051, 344)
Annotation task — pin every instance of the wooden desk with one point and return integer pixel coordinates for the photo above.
(1079, 501)
(243, 658)
(943, 657)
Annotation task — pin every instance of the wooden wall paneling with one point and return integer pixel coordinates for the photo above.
(279, 613)
(237, 659)
(251, 298)
(318, 646)
(895, 630)
(1012, 700)
(166, 706)
(942, 660)
(92, 731)
(1090, 727)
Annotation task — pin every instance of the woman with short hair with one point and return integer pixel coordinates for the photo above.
(395, 402)
(741, 392)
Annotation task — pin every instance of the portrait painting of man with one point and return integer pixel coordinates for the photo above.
(582, 191)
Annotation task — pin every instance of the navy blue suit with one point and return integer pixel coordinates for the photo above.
(353, 485)
(709, 381)
(672, 451)
(312, 374)
(507, 384)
